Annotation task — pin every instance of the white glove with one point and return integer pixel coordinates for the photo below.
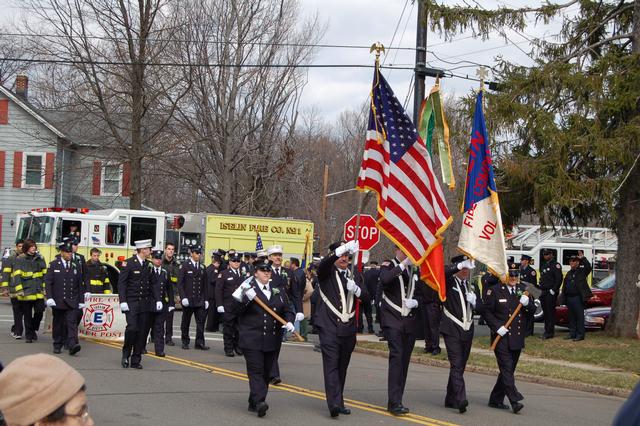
(503, 330)
(405, 263)
(206, 304)
(553, 293)
(299, 316)
(353, 287)
(158, 306)
(410, 303)
(289, 327)
(172, 308)
(469, 264)
(472, 298)
(251, 293)
(342, 250)
(87, 295)
(81, 305)
(524, 300)
(220, 309)
(185, 302)
(124, 307)
(349, 248)
(51, 303)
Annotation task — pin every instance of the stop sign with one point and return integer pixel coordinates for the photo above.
(369, 233)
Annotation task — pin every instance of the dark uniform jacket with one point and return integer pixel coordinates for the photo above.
(192, 284)
(213, 273)
(257, 329)
(329, 279)
(82, 264)
(391, 278)
(285, 281)
(575, 284)
(64, 285)
(162, 285)
(529, 275)
(497, 310)
(454, 306)
(134, 286)
(96, 278)
(226, 284)
(550, 277)
(488, 280)
(299, 280)
(371, 277)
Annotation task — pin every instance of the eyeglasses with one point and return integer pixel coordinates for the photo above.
(83, 415)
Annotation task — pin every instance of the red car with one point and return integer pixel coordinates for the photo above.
(602, 296)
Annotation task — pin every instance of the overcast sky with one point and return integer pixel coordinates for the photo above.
(362, 22)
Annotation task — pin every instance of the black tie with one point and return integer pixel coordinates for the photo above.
(278, 271)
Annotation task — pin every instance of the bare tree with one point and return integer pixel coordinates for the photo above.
(12, 55)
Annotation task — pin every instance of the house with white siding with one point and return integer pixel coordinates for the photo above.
(46, 162)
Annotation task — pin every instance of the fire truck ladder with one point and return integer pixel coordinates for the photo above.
(532, 235)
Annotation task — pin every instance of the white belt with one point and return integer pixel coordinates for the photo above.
(343, 316)
(464, 325)
(402, 310)
(347, 302)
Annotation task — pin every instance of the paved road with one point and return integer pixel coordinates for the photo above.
(195, 388)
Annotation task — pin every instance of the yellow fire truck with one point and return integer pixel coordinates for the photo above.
(114, 231)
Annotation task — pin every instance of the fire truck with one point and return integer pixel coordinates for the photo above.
(114, 231)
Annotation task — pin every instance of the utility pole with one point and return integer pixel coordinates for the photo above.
(323, 215)
(421, 61)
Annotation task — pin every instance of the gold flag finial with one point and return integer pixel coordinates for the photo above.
(378, 48)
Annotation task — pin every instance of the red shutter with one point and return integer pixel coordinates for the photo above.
(4, 111)
(126, 177)
(48, 170)
(17, 169)
(3, 157)
(97, 173)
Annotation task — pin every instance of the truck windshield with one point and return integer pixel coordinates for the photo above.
(39, 229)
(23, 228)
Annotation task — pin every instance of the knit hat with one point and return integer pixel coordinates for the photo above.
(34, 386)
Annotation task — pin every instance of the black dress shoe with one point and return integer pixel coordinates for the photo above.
(125, 362)
(516, 407)
(160, 354)
(229, 354)
(238, 351)
(275, 381)
(398, 410)
(543, 337)
(169, 343)
(334, 411)
(345, 411)
(144, 352)
(436, 351)
(261, 408)
(578, 339)
(568, 338)
(462, 408)
(202, 347)
(34, 336)
(185, 346)
(498, 405)
(252, 408)
(74, 349)
(370, 331)
(137, 366)
(29, 340)
(57, 350)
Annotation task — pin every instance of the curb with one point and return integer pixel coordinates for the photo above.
(584, 387)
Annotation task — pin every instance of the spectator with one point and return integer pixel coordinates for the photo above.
(41, 390)
(306, 304)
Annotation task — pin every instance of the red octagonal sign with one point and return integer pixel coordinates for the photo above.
(369, 233)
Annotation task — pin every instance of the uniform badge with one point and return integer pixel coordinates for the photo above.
(489, 292)
(124, 263)
(533, 273)
(558, 266)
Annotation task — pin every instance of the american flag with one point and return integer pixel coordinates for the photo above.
(258, 242)
(412, 210)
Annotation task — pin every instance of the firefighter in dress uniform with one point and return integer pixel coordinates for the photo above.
(335, 320)
(139, 300)
(528, 275)
(457, 328)
(65, 290)
(192, 286)
(161, 282)
(213, 273)
(172, 266)
(502, 301)
(228, 281)
(399, 283)
(260, 333)
(550, 282)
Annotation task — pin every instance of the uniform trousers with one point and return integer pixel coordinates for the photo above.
(431, 315)
(336, 354)
(549, 311)
(506, 384)
(159, 320)
(259, 370)
(400, 347)
(200, 313)
(576, 317)
(458, 353)
(135, 334)
(32, 311)
(213, 317)
(365, 311)
(18, 323)
(230, 334)
(64, 328)
(168, 327)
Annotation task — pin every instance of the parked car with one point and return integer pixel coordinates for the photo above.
(598, 306)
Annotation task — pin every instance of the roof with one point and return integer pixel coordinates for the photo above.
(31, 110)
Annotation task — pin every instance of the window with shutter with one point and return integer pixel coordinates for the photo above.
(4, 111)
(111, 179)
(33, 170)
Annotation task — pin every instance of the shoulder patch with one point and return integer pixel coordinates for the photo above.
(558, 266)
(124, 263)
(533, 273)
(489, 292)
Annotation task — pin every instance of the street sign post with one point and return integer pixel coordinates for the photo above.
(369, 232)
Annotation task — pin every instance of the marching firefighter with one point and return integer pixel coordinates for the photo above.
(139, 300)
(229, 280)
(502, 301)
(399, 328)
(161, 282)
(260, 333)
(17, 328)
(96, 275)
(65, 291)
(213, 273)
(172, 266)
(192, 286)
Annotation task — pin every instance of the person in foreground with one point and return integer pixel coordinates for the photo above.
(260, 335)
(43, 390)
